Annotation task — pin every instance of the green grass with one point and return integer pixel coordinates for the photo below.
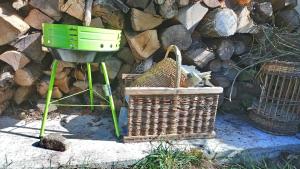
(167, 157)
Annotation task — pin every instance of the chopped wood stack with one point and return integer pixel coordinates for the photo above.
(212, 34)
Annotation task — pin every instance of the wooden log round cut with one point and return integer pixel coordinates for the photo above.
(219, 23)
(176, 35)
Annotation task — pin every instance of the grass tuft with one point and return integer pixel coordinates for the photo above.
(167, 157)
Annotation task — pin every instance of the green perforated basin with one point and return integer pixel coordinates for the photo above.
(81, 38)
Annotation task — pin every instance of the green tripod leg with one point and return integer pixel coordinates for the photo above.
(48, 99)
(111, 100)
(90, 85)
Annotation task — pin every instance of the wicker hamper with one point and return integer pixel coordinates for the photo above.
(278, 110)
(157, 113)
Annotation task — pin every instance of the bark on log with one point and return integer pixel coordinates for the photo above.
(219, 23)
(15, 59)
(12, 25)
(212, 3)
(143, 44)
(111, 16)
(198, 55)
(215, 65)
(280, 4)
(138, 3)
(182, 3)
(126, 56)
(176, 35)
(113, 66)
(36, 18)
(262, 12)
(63, 84)
(220, 80)
(49, 7)
(141, 21)
(23, 93)
(79, 74)
(225, 49)
(168, 9)
(288, 18)
(18, 4)
(31, 46)
(28, 75)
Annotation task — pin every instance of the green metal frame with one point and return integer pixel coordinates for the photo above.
(91, 93)
(82, 38)
(86, 39)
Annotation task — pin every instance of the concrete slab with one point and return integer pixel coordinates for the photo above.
(91, 142)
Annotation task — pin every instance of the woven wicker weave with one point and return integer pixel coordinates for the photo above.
(162, 74)
(278, 110)
(156, 113)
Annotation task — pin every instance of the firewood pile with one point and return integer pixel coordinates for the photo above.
(213, 35)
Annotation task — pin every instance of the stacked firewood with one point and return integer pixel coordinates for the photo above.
(212, 35)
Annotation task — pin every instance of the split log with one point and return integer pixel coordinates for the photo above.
(168, 9)
(74, 8)
(245, 22)
(62, 65)
(198, 55)
(190, 16)
(110, 15)
(63, 84)
(28, 75)
(215, 65)
(81, 84)
(262, 12)
(219, 23)
(42, 85)
(225, 49)
(56, 93)
(31, 46)
(3, 107)
(79, 74)
(113, 66)
(212, 3)
(138, 3)
(12, 25)
(6, 88)
(97, 23)
(36, 18)
(280, 4)
(49, 7)
(288, 18)
(42, 88)
(22, 94)
(143, 44)
(176, 35)
(126, 56)
(242, 44)
(18, 4)
(182, 3)
(15, 59)
(141, 21)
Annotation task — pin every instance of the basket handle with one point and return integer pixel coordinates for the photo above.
(173, 48)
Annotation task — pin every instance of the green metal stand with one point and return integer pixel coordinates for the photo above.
(91, 92)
